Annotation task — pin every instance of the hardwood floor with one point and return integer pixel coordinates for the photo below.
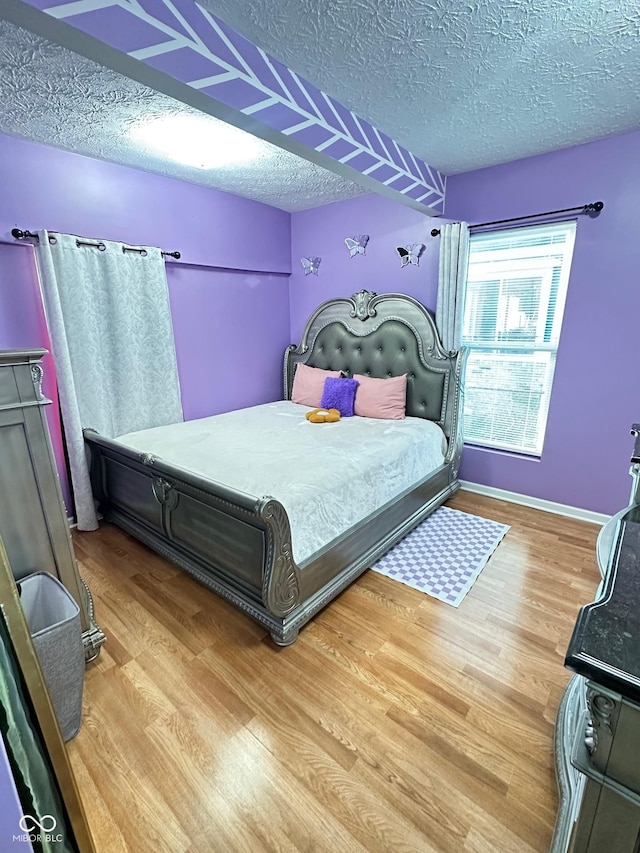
(394, 723)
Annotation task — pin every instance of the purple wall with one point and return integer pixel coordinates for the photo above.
(229, 293)
(231, 330)
(321, 231)
(595, 395)
(228, 284)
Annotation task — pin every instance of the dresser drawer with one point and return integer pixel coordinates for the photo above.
(607, 743)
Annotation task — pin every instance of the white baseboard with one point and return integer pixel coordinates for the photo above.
(536, 503)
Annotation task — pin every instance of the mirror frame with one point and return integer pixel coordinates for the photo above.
(33, 682)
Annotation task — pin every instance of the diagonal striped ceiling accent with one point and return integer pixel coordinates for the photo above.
(215, 69)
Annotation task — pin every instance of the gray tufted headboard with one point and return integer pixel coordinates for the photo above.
(383, 336)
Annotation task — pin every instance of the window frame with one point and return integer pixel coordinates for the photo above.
(549, 309)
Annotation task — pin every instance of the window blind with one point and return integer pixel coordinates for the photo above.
(513, 303)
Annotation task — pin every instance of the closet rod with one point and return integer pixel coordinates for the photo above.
(19, 234)
(592, 209)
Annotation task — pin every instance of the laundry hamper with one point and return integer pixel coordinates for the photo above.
(53, 618)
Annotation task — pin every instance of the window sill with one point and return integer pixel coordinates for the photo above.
(512, 454)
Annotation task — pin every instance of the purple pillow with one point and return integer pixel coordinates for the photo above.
(339, 394)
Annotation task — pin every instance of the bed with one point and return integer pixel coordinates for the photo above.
(290, 513)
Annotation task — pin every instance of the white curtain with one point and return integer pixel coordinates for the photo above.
(112, 338)
(452, 277)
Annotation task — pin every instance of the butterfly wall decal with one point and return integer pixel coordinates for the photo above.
(356, 245)
(310, 265)
(410, 254)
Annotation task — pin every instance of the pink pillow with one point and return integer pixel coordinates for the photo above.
(308, 384)
(381, 398)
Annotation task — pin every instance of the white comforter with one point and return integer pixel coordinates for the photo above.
(327, 476)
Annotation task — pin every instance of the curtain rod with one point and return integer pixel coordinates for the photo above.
(592, 209)
(19, 234)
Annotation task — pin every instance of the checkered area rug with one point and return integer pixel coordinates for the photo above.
(444, 555)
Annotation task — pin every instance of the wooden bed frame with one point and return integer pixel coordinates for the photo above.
(239, 545)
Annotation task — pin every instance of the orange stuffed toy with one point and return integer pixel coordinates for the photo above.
(323, 416)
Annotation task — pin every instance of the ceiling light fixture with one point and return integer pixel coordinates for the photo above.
(199, 141)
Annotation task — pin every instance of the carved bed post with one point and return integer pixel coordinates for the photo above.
(281, 583)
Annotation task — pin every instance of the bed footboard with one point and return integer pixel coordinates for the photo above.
(238, 545)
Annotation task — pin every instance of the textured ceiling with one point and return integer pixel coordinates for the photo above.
(462, 83)
(49, 94)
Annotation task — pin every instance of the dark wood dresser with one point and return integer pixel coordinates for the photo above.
(598, 726)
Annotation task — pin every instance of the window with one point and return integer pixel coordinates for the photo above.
(512, 313)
